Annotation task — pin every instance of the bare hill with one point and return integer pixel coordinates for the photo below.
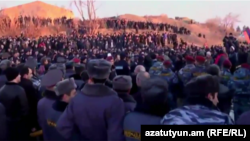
(214, 35)
(38, 9)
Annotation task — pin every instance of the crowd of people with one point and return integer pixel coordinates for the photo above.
(104, 87)
(110, 23)
(25, 21)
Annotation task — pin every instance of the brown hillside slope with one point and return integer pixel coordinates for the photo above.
(38, 9)
(214, 35)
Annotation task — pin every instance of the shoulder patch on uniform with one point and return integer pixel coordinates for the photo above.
(199, 73)
(165, 74)
(238, 66)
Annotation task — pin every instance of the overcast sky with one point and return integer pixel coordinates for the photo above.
(197, 10)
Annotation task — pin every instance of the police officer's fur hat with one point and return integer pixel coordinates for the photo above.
(122, 82)
(52, 67)
(51, 78)
(61, 59)
(59, 66)
(4, 64)
(31, 62)
(98, 68)
(65, 86)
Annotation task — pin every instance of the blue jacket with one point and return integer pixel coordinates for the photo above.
(97, 112)
(43, 107)
(49, 127)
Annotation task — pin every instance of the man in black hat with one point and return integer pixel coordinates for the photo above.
(14, 99)
(96, 100)
(49, 80)
(122, 67)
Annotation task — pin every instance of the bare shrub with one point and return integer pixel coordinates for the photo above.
(227, 23)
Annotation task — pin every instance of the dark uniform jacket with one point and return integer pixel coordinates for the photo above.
(52, 117)
(3, 80)
(97, 112)
(3, 123)
(43, 107)
(122, 68)
(14, 99)
(128, 100)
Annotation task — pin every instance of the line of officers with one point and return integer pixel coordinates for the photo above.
(23, 113)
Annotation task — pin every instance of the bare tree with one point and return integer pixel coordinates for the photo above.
(80, 6)
(229, 21)
(92, 24)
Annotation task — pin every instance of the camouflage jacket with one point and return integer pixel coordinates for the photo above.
(196, 115)
(240, 81)
(197, 71)
(168, 75)
(156, 69)
(185, 73)
(225, 76)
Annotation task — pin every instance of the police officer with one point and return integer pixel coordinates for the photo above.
(240, 83)
(98, 101)
(65, 90)
(167, 74)
(225, 72)
(185, 72)
(50, 79)
(157, 67)
(122, 67)
(200, 68)
(122, 84)
(201, 108)
(60, 64)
